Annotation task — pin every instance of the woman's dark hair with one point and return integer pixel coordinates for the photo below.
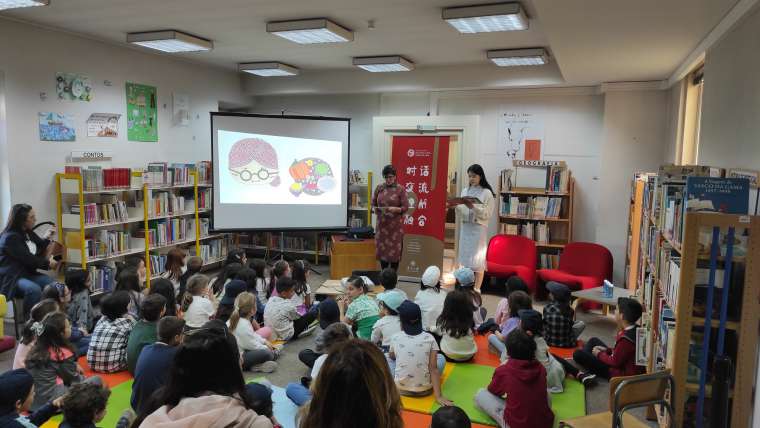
(114, 305)
(358, 282)
(354, 372)
(475, 297)
(17, 218)
(235, 256)
(456, 317)
(248, 276)
(207, 361)
(519, 300)
(175, 259)
(76, 279)
(228, 272)
(50, 340)
(277, 271)
(38, 312)
(389, 170)
(165, 288)
(300, 268)
(478, 170)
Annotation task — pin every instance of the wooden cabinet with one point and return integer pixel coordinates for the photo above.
(347, 256)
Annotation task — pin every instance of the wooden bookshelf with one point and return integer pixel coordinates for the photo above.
(360, 199)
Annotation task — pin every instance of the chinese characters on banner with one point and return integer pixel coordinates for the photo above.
(422, 168)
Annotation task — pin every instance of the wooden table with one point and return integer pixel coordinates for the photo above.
(596, 295)
(333, 288)
(347, 256)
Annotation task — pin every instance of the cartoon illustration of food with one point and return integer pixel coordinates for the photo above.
(312, 176)
(254, 161)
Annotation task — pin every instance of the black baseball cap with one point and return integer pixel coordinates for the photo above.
(329, 313)
(231, 291)
(411, 318)
(531, 320)
(559, 290)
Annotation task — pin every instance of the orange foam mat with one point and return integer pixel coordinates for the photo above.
(483, 356)
(420, 420)
(565, 353)
(110, 379)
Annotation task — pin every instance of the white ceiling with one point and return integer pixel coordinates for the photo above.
(593, 41)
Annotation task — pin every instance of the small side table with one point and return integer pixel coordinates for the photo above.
(596, 295)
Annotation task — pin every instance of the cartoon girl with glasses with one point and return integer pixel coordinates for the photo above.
(254, 161)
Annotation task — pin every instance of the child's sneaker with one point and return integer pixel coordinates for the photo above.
(265, 367)
(587, 379)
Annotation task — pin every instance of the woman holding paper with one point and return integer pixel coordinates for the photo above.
(475, 215)
(390, 203)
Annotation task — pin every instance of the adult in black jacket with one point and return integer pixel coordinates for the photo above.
(22, 252)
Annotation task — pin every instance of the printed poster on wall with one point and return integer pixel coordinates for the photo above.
(103, 125)
(180, 109)
(56, 127)
(522, 135)
(421, 166)
(73, 87)
(142, 117)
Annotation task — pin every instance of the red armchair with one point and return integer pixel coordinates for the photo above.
(509, 255)
(582, 265)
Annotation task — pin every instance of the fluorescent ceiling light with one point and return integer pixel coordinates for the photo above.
(170, 41)
(487, 18)
(384, 64)
(268, 69)
(518, 57)
(308, 31)
(15, 4)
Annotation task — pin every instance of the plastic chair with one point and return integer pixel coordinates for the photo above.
(630, 392)
(582, 265)
(509, 255)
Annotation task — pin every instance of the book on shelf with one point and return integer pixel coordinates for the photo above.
(548, 261)
(205, 172)
(552, 176)
(538, 232)
(156, 174)
(102, 278)
(165, 231)
(722, 195)
(531, 206)
(157, 264)
(103, 213)
(204, 199)
(105, 243)
(212, 250)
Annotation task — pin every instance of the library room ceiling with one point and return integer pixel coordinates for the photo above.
(590, 41)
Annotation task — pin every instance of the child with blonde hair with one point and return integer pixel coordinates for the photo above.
(257, 353)
(198, 303)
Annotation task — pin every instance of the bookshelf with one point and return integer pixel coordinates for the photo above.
(359, 199)
(671, 274)
(544, 214)
(106, 214)
(302, 244)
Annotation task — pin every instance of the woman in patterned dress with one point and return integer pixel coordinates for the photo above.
(390, 203)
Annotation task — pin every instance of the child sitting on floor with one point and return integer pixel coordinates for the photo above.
(16, 397)
(79, 310)
(388, 324)
(514, 283)
(257, 353)
(455, 326)
(389, 281)
(227, 302)
(198, 302)
(413, 358)
(129, 282)
(430, 298)
(84, 406)
(450, 417)
(517, 301)
(61, 294)
(108, 347)
(465, 281)
(357, 309)
(333, 336)
(329, 314)
(597, 359)
(194, 265)
(560, 328)
(28, 335)
(302, 291)
(262, 280)
(144, 332)
(532, 324)
(523, 380)
(280, 269)
(281, 316)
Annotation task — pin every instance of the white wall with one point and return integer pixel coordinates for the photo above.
(730, 129)
(30, 62)
(635, 125)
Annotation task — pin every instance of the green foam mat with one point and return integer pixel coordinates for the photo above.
(571, 403)
(118, 402)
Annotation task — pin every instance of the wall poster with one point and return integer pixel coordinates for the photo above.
(73, 87)
(522, 135)
(56, 127)
(142, 113)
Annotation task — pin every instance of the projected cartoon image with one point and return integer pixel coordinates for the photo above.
(254, 161)
(312, 176)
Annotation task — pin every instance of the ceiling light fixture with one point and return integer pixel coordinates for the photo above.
(487, 18)
(384, 64)
(170, 41)
(15, 4)
(309, 31)
(268, 69)
(518, 57)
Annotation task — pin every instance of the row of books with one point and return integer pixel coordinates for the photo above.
(551, 176)
(165, 203)
(531, 206)
(290, 243)
(104, 243)
(165, 231)
(538, 232)
(103, 213)
(558, 179)
(212, 250)
(157, 264)
(156, 174)
(548, 261)
(204, 199)
(102, 278)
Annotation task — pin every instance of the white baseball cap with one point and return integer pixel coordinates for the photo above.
(431, 276)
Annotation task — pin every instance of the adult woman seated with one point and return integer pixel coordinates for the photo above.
(22, 252)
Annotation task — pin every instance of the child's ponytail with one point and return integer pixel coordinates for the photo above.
(195, 286)
(245, 307)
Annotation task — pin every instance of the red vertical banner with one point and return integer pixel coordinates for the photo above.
(422, 169)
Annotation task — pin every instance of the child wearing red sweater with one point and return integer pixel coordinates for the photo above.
(523, 380)
(596, 359)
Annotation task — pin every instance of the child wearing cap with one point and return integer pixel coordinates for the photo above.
(532, 324)
(523, 380)
(456, 326)
(518, 300)
(465, 281)
(430, 298)
(560, 328)
(413, 357)
(227, 302)
(597, 359)
(357, 309)
(388, 324)
(16, 397)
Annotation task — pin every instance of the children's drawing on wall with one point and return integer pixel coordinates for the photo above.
(73, 87)
(56, 127)
(522, 136)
